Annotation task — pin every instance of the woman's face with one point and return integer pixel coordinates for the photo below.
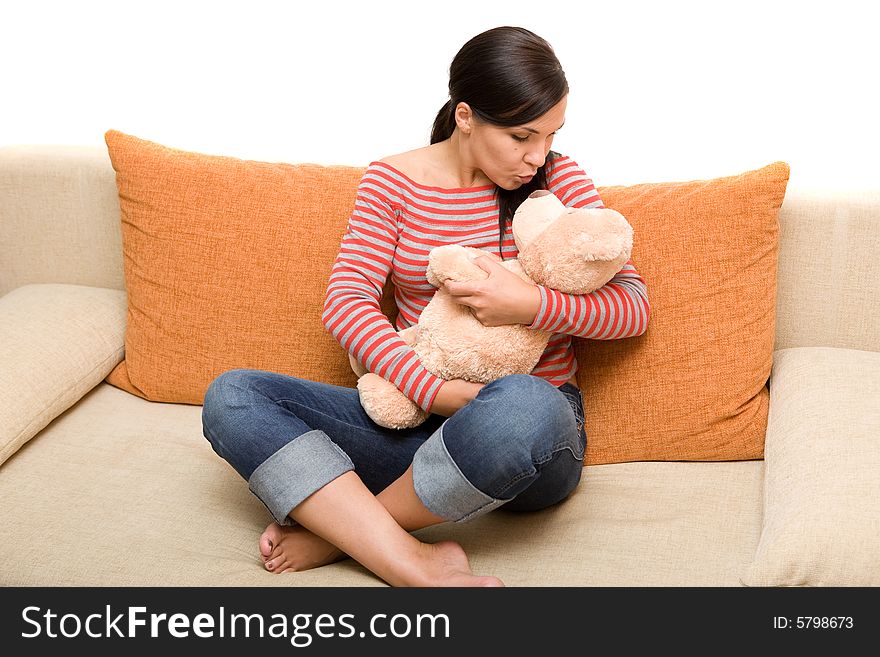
(510, 156)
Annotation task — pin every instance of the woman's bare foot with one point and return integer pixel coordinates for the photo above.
(444, 564)
(294, 548)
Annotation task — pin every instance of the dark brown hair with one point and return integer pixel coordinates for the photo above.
(508, 76)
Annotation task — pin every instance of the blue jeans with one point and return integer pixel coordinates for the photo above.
(520, 443)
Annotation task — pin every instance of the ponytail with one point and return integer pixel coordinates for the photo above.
(444, 124)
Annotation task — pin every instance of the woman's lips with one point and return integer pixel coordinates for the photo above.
(526, 179)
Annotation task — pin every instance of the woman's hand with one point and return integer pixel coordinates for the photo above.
(502, 298)
(453, 395)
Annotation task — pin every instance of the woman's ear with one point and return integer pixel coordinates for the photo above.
(464, 118)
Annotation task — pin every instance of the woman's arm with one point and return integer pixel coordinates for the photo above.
(618, 309)
(453, 395)
(352, 311)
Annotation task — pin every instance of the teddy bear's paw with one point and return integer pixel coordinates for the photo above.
(386, 405)
(455, 262)
(410, 334)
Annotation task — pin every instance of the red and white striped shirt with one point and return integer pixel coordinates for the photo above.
(397, 221)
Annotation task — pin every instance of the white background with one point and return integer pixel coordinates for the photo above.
(665, 90)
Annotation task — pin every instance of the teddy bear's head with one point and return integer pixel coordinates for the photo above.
(569, 249)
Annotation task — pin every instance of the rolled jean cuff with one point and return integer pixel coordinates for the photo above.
(297, 470)
(442, 487)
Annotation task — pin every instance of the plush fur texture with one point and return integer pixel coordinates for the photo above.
(570, 250)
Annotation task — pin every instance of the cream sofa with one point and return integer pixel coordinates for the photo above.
(100, 487)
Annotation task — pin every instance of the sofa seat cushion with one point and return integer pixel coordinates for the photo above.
(119, 491)
(627, 524)
(137, 498)
(821, 524)
(57, 342)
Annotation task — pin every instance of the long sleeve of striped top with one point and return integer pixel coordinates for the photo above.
(394, 225)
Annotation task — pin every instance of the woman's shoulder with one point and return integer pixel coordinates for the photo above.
(411, 161)
(395, 178)
(420, 165)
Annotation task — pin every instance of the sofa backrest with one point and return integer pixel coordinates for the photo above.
(59, 217)
(59, 223)
(828, 292)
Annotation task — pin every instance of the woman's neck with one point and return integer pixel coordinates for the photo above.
(458, 163)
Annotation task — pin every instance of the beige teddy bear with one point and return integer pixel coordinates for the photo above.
(567, 249)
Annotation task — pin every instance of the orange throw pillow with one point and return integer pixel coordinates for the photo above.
(226, 266)
(693, 387)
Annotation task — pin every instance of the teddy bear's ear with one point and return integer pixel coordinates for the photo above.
(534, 215)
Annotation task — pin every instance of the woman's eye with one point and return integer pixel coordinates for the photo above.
(520, 139)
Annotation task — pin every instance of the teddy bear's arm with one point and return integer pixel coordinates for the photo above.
(456, 262)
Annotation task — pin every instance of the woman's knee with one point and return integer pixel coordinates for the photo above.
(227, 397)
(226, 391)
(515, 426)
(536, 415)
(529, 392)
(558, 479)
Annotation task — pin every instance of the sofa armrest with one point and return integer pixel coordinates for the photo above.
(821, 524)
(57, 342)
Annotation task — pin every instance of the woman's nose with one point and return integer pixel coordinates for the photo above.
(535, 158)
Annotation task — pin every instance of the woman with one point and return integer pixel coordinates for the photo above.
(336, 483)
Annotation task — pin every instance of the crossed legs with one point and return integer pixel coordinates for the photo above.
(361, 493)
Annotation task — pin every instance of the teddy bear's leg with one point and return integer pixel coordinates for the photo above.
(382, 401)
(386, 405)
(356, 366)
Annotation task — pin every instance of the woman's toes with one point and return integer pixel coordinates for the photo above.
(276, 554)
(278, 565)
(269, 539)
(487, 580)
